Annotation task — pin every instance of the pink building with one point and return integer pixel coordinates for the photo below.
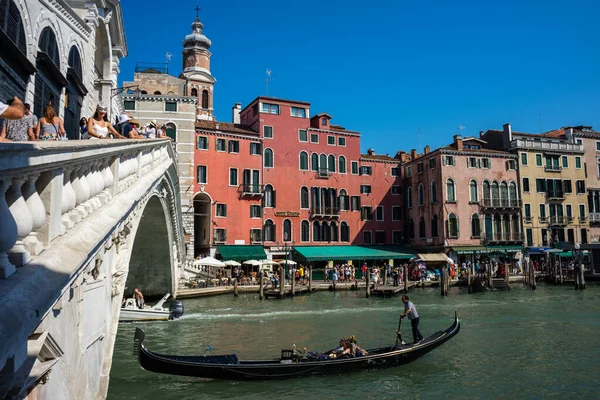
(462, 199)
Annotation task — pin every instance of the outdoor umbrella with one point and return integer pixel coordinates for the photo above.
(268, 262)
(209, 262)
(252, 262)
(232, 263)
(289, 262)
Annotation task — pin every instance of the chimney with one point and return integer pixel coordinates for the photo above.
(426, 150)
(371, 152)
(458, 142)
(413, 154)
(506, 136)
(235, 113)
(481, 133)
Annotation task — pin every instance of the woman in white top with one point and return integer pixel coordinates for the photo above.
(151, 130)
(99, 127)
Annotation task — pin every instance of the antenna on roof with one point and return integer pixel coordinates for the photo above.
(167, 59)
(267, 79)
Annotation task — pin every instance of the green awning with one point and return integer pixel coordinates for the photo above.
(568, 253)
(239, 252)
(469, 250)
(344, 253)
(505, 249)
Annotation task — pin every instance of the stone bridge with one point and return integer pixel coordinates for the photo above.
(80, 222)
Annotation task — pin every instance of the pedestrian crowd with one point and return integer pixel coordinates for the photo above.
(21, 125)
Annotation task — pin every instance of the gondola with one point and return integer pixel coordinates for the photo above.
(288, 366)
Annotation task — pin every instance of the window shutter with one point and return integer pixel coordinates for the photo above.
(444, 160)
(274, 197)
(479, 163)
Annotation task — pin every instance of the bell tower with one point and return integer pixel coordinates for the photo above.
(196, 70)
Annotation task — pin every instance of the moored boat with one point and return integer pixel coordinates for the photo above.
(131, 312)
(231, 368)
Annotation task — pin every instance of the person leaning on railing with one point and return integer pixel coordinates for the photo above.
(14, 110)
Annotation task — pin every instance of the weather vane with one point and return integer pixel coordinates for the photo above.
(267, 79)
(197, 10)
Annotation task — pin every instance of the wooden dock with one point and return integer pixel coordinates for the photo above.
(287, 292)
(390, 290)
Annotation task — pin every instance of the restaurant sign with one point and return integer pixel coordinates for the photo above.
(287, 213)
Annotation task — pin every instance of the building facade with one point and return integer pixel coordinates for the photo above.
(63, 52)
(553, 181)
(462, 198)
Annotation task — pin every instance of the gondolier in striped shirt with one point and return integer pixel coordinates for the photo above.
(413, 316)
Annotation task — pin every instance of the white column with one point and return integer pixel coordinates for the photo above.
(8, 233)
(20, 212)
(38, 214)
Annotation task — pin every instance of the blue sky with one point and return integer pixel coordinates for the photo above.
(391, 67)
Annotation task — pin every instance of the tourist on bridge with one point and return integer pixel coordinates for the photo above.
(50, 127)
(20, 130)
(413, 317)
(13, 110)
(99, 127)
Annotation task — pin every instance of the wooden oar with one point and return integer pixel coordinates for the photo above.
(398, 333)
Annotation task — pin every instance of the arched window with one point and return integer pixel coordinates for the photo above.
(474, 198)
(345, 232)
(450, 190)
(303, 161)
(316, 231)
(314, 162)
(487, 193)
(316, 200)
(434, 226)
(422, 228)
(495, 194)
(342, 164)
(452, 226)
(411, 229)
(331, 163)
(489, 227)
(12, 24)
(304, 197)
(48, 45)
(433, 192)
(269, 231)
(269, 196)
(158, 93)
(421, 194)
(172, 131)
(504, 194)
(47, 86)
(334, 232)
(475, 226)
(409, 197)
(268, 158)
(325, 232)
(205, 98)
(343, 200)
(287, 230)
(513, 194)
(331, 201)
(75, 61)
(305, 234)
(194, 92)
(323, 162)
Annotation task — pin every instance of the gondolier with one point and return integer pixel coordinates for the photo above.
(413, 317)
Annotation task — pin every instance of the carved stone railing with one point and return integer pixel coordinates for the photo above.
(47, 188)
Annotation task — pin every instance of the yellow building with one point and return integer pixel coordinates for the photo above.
(553, 186)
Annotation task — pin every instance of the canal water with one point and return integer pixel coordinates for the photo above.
(515, 344)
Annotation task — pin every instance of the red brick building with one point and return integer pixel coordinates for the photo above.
(278, 175)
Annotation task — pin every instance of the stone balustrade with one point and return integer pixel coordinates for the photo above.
(47, 188)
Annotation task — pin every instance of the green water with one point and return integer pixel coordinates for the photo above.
(516, 344)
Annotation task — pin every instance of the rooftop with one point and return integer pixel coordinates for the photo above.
(225, 127)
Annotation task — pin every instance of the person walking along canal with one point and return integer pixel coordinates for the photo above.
(413, 317)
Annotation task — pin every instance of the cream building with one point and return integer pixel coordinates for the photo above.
(64, 51)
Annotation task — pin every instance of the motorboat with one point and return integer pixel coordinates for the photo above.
(131, 312)
(289, 365)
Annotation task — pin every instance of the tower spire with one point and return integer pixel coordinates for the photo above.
(197, 11)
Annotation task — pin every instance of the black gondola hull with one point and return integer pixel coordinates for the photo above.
(206, 367)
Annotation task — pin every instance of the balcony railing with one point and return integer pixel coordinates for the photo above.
(543, 220)
(582, 219)
(552, 168)
(325, 211)
(557, 194)
(323, 173)
(559, 220)
(594, 217)
(503, 237)
(501, 203)
(550, 146)
(250, 189)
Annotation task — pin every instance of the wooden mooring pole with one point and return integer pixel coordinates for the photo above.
(531, 271)
(261, 290)
(469, 289)
(368, 289)
(405, 279)
(579, 279)
(308, 271)
(293, 273)
(235, 287)
(282, 283)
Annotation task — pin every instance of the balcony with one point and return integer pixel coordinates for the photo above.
(594, 217)
(501, 203)
(557, 194)
(323, 173)
(558, 220)
(546, 146)
(325, 212)
(552, 168)
(491, 238)
(250, 189)
(543, 220)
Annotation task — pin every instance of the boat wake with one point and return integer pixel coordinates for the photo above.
(280, 314)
